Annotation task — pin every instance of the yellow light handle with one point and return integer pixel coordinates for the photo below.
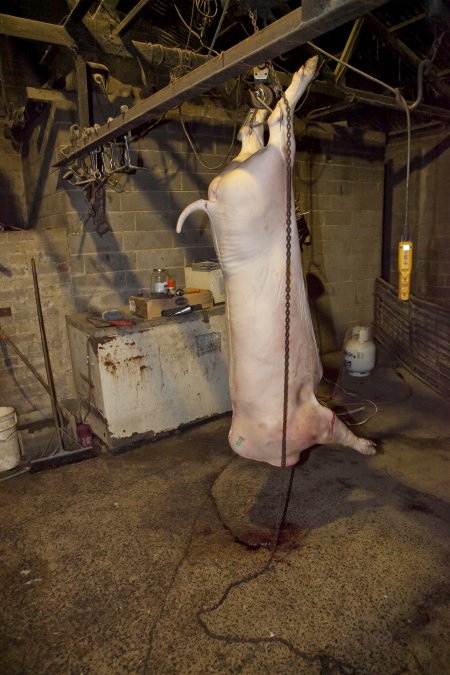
(405, 252)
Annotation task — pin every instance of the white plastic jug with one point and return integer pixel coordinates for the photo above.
(9, 441)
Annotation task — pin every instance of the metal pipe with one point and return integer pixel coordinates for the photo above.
(48, 367)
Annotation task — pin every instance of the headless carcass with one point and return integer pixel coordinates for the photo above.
(246, 206)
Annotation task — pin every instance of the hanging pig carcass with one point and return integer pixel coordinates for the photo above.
(246, 206)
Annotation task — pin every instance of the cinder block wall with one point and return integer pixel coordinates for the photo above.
(18, 386)
(339, 183)
(338, 179)
(428, 212)
(142, 213)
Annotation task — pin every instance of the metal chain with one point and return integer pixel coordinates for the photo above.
(253, 14)
(287, 320)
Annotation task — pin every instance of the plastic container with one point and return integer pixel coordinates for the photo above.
(159, 281)
(9, 441)
(359, 352)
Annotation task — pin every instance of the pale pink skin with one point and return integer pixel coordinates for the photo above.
(247, 211)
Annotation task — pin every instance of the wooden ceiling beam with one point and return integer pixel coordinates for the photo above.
(130, 18)
(349, 48)
(324, 88)
(407, 22)
(380, 100)
(53, 34)
(407, 54)
(39, 31)
(278, 38)
(79, 11)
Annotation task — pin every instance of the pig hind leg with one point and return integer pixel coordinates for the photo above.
(328, 429)
(342, 435)
(300, 81)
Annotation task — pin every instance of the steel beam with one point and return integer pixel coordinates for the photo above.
(279, 37)
(39, 31)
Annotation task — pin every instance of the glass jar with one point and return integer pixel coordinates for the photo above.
(159, 281)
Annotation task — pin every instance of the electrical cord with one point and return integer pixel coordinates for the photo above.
(203, 7)
(191, 30)
(360, 400)
(401, 102)
(233, 140)
(197, 154)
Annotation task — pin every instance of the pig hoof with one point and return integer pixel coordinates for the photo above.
(366, 447)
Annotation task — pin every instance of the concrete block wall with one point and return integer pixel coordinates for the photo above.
(428, 212)
(106, 270)
(339, 183)
(79, 270)
(18, 386)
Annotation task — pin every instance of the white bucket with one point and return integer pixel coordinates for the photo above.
(9, 442)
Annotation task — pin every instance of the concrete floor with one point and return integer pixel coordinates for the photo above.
(133, 563)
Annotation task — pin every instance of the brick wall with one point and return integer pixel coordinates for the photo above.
(339, 182)
(428, 212)
(338, 178)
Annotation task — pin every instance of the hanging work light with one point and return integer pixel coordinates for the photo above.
(405, 251)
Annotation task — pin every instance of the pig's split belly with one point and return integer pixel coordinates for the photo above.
(257, 351)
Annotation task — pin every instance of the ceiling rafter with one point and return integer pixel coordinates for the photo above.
(407, 22)
(349, 48)
(52, 34)
(39, 31)
(407, 54)
(130, 19)
(79, 11)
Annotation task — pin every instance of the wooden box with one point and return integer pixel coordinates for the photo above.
(151, 308)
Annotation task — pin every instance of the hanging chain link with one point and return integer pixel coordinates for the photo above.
(253, 14)
(287, 318)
